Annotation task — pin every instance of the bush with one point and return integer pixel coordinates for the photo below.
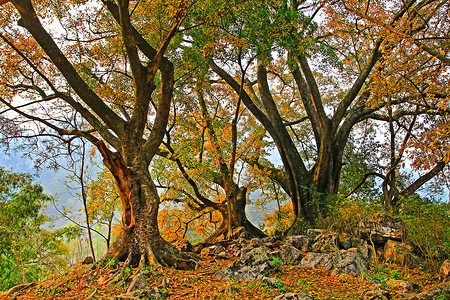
(429, 227)
(345, 215)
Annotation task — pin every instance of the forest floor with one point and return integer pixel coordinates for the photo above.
(88, 282)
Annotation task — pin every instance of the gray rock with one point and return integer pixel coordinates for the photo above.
(301, 242)
(294, 296)
(290, 255)
(317, 261)
(254, 265)
(343, 262)
(272, 282)
(139, 282)
(270, 239)
(326, 242)
(349, 262)
(379, 228)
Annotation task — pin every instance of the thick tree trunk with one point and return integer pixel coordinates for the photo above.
(235, 221)
(139, 241)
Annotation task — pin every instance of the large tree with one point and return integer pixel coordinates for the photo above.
(333, 72)
(83, 69)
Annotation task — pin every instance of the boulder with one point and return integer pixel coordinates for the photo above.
(397, 252)
(139, 282)
(379, 228)
(347, 262)
(301, 242)
(254, 265)
(326, 242)
(290, 255)
(294, 296)
(317, 261)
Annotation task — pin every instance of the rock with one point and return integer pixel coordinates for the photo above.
(272, 282)
(270, 239)
(326, 242)
(290, 255)
(20, 288)
(253, 265)
(301, 242)
(317, 261)
(376, 295)
(255, 243)
(88, 260)
(294, 296)
(184, 245)
(139, 282)
(343, 262)
(397, 252)
(349, 262)
(444, 271)
(379, 228)
(400, 285)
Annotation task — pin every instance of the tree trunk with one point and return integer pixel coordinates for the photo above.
(139, 241)
(235, 221)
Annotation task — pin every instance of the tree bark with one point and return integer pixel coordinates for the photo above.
(139, 241)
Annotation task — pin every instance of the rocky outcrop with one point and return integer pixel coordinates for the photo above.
(379, 228)
(290, 255)
(254, 265)
(347, 262)
(326, 242)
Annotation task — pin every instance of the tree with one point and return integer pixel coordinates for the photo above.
(27, 251)
(206, 144)
(99, 82)
(333, 72)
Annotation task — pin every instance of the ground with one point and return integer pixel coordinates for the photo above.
(95, 282)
